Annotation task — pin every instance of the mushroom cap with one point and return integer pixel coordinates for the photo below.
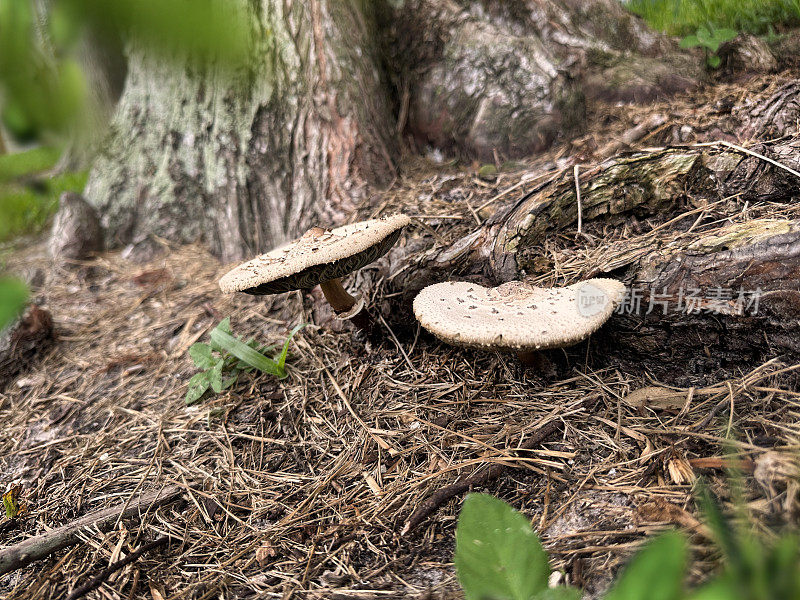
(516, 316)
(318, 256)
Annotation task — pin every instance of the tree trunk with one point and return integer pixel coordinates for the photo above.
(245, 160)
(502, 80)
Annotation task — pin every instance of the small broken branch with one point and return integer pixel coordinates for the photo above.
(442, 495)
(41, 546)
(95, 581)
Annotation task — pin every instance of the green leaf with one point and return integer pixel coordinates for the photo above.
(559, 593)
(724, 534)
(285, 351)
(498, 556)
(690, 41)
(245, 353)
(714, 61)
(198, 385)
(721, 588)
(202, 357)
(29, 162)
(13, 297)
(225, 327)
(781, 567)
(656, 572)
(215, 377)
(724, 35)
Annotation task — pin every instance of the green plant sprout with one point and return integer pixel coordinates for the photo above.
(226, 356)
(499, 557)
(710, 39)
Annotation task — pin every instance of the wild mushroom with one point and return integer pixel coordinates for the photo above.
(320, 257)
(515, 316)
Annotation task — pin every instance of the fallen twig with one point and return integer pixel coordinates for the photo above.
(41, 546)
(441, 496)
(106, 573)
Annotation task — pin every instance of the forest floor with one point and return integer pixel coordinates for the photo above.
(301, 487)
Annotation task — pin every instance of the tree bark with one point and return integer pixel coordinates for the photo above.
(245, 160)
(500, 80)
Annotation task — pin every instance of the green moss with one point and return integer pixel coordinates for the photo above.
(597, 57)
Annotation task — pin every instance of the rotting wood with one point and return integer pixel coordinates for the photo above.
(41, 546)
(643, 183)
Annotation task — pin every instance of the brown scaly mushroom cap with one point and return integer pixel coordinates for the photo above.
(516, 316)
(319, 257)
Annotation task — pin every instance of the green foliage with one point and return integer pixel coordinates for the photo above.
(754, 569)
(498, 556)
(47, 97)
(28, 198)
(30, 162)
(655, 573)
(683, 17)
(710, 39)
(48, 92)
(13, 297)
(227, 356)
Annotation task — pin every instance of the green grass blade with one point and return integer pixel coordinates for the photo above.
(285, 351)
(245, 353)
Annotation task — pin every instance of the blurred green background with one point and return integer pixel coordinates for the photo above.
(682, 17)
(46, 105)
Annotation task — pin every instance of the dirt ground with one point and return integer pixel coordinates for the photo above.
(301, 488)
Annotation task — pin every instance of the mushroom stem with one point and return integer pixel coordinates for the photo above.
(534, 359)
(337, 296)
(341, 302)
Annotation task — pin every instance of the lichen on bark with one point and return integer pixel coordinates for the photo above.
(244, 160)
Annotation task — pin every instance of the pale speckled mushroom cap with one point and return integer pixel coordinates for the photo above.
(319, 256)
(515, 315)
